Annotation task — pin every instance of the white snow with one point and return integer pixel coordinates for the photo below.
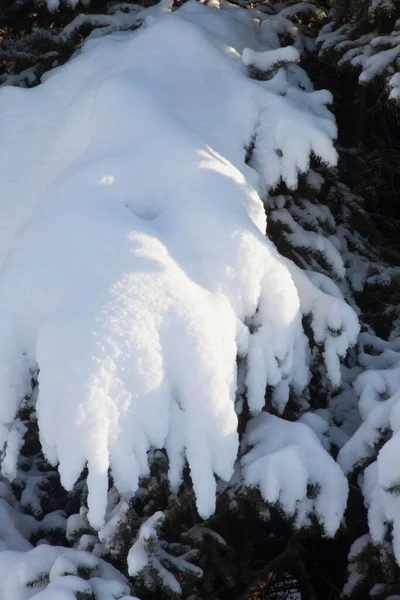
(285, 459)
(299, 238)
(138, 557)
(133, 256)
(378, 389)
(49, 573)
(372, 54)
(354, 572)
(268, 59)
(148, 552)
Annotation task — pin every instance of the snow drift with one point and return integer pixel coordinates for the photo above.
(135, 266)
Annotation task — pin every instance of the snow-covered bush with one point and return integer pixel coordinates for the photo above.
(134, 337)
(181, 280)
(365, 36)
(28, 52)
(50, 572)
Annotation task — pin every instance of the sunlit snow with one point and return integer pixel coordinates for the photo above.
(135, 266)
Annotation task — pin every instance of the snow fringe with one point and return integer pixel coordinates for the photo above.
(135, 266)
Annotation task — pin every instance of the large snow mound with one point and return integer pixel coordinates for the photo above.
(134, 255)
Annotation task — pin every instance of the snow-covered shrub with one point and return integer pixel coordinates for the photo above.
(27, 53)
(135, 338)
(373, 449)
(51, 572)
(365, 36)
(184, 310)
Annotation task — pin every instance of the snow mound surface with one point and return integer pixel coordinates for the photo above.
(133, 251)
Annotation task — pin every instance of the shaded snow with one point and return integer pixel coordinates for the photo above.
(378, 436)
(51, 573)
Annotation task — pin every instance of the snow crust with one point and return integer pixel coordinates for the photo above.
(135, 266)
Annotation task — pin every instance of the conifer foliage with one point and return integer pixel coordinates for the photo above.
(199, 322)
(364, 36)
